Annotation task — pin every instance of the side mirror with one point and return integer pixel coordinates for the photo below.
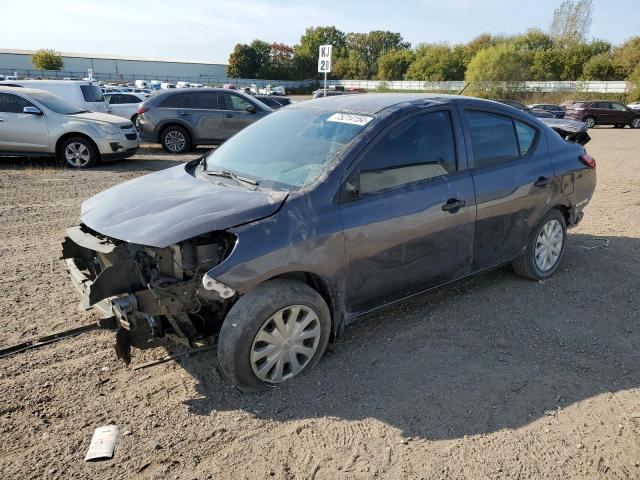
(32, 110)
(251, 109)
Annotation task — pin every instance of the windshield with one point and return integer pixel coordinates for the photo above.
(56, 103)
(290, 147)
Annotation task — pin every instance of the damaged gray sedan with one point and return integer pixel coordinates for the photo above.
(319, 213)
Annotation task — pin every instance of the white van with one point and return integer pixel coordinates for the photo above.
(141, 84)
(167, 85)
(86, 95)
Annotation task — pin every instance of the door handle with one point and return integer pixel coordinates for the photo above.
(1, 119)
(542, 182)
(185, 114)
(453, 205)
(228, 115)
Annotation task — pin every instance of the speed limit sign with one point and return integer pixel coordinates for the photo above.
(324, 59)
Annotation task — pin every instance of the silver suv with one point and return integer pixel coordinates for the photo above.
(39, 123)
(183, 118)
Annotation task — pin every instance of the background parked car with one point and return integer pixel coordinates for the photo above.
(274, 101)
(40, 123)
(184, 118)
(602, 112)
(124, 105)
(524, 108)
(86, 95)
(634, 105)
(556, 110)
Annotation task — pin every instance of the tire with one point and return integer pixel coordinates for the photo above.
(590, 121)
(526, 265)
(252, 318)
(78, 152)
(175, 140)
(635, 123)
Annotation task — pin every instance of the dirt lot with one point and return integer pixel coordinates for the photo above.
(493, 377)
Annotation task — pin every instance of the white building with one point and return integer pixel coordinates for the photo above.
(112, 67)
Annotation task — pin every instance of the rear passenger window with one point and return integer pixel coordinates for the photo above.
(414, 150)
(13, 103)
(178, 100)
(204, 100)
(498, 138)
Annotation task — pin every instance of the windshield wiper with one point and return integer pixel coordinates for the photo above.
(233, 176)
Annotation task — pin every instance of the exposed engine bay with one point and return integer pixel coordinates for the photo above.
(150, 293)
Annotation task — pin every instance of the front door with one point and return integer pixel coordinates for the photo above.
(236, 116)
(620, 112)
(408, 211)
(21, 132)
(513, 177)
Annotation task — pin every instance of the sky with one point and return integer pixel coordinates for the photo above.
(208, 30)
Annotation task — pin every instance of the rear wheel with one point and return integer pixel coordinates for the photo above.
(544, 249)
(635, 123)
(78, 152)
(590, 121)
(175, 140)
(276, 332)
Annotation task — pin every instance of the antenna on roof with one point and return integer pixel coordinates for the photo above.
(465, 87)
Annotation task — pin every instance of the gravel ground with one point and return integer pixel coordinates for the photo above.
(492, 377)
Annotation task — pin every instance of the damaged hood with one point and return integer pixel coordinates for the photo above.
(172, 205)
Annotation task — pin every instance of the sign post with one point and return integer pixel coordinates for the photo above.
(324, 63)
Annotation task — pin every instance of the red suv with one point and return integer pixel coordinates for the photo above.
(603, 113)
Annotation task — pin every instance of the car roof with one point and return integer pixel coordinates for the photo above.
(372, 103)
(25, 90)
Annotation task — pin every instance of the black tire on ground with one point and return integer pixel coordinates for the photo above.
(176, 140)
(247, 317)
(78, 152)
(635, 122)
(525, 265)
(587, 120)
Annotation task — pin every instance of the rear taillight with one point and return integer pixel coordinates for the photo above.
(142, 109)
(588, 160)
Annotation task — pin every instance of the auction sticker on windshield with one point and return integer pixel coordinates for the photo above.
(361, 120)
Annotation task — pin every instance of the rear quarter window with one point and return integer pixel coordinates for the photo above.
(91, 93)
(178, 100)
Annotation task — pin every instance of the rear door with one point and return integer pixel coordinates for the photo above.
(205, 115)
(21, 132)
(512, 174)
(408, 211)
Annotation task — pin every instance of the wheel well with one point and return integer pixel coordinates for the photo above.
(66, 136)
(174, 124)
(565, 212)
(320, 286)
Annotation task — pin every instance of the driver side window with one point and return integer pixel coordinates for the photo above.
(414, 150)
(10, 103)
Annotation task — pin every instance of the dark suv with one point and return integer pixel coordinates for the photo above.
(184, 118)
(603, 113)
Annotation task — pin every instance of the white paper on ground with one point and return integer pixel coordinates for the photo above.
(103, 443)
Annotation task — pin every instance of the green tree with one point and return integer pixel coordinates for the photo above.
(634, 83)
(437, 62)
(47, 60)
(576, 55)
(571, 21)
(534, 39)
(368, 47)
(306, 52)
(546, 65)
(242, 62)
(471, 48)
(262, 51)
(600, 67)
(498, 71)
(353, 66)
(393, 64)
(627, 56)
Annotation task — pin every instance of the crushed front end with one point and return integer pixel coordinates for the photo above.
(149, 293)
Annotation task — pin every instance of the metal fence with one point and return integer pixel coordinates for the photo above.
(369, 85)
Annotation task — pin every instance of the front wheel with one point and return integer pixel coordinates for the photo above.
(543, 252)
(78, 152)
(276, 332)
(635, 123)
